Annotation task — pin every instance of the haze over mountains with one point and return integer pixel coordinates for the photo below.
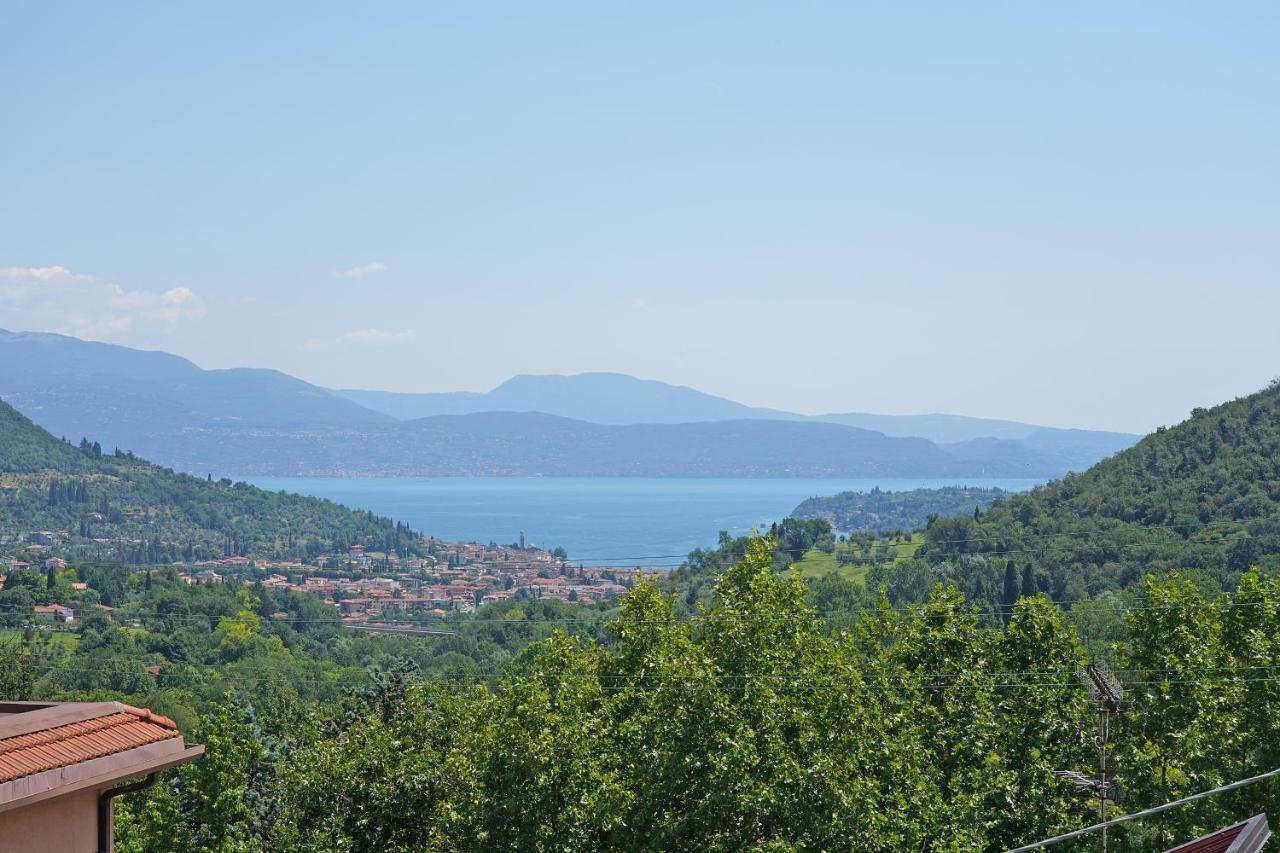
(256, 421)
(615, 398)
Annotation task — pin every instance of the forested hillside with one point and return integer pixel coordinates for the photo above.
(881, 510)
(25, 448)
(1203, 496)
(110, 504)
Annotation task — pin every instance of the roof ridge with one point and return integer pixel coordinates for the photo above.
(150, 716)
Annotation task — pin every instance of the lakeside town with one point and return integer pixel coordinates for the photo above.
(366, 588)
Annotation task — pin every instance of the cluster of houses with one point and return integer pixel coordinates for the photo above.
(34, 552)
(363, 586)
(64, 613)
(453, 577)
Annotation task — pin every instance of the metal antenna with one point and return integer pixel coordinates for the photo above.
(1103, 686)
(1081, 781)
(1105, 689)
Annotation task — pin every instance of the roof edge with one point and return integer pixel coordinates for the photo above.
(149, 715)
(99, 773)
(1250, 836)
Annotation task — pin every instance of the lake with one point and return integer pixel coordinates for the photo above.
(598, 520)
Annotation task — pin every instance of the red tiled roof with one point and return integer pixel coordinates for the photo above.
(60, 746)
(1245, 837)
(1219, 842)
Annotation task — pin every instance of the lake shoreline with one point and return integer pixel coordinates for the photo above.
(644, 521)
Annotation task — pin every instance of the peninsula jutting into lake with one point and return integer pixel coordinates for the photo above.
(609, 427)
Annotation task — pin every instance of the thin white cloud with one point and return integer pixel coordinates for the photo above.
(58, 299)
(363, 338)
(362, 270)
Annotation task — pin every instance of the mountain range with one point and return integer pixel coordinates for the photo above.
(255, 421)
(616, 398)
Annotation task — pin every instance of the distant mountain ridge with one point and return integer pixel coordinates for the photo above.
(121, 396)
(265, 422)
(599, 398)
(616, 398)
(532, 444)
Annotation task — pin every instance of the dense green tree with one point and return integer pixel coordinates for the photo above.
(1010, 596)
(16, 673)
(1028, 581)
(1047, 725)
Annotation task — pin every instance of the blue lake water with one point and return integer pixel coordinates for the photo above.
(598, 520)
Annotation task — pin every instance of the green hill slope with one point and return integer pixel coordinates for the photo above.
(1202, 496)
(888, 510)
(119, 506)
(25, 448)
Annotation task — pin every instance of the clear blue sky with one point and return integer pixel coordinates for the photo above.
(1063, 213)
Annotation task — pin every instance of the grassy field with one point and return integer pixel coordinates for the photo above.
(815, 563)
(66, 639)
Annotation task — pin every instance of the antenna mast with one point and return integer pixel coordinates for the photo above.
(1104, 689)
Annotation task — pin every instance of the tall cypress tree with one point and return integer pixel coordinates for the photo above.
(1010, 590)
(1028, 581)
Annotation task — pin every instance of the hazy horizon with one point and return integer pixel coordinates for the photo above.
(828, 411)
(1066, 217)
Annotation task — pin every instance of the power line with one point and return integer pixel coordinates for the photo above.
(983, 553)
(1121, 528)
(650, 683)
(1147, 812)
(605, 619)
(929, 679)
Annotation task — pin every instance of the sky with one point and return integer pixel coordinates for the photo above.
(1060, 213)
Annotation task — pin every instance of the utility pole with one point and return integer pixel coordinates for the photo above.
(1104, 689)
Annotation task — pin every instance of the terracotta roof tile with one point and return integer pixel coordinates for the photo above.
(1219, 842)
(60, 746)
(1247, 836)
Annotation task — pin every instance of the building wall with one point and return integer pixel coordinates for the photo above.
(62, 825)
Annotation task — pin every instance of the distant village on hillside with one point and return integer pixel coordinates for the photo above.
(366, 587)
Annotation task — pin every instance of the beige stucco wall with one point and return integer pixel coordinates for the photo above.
(62, 825)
